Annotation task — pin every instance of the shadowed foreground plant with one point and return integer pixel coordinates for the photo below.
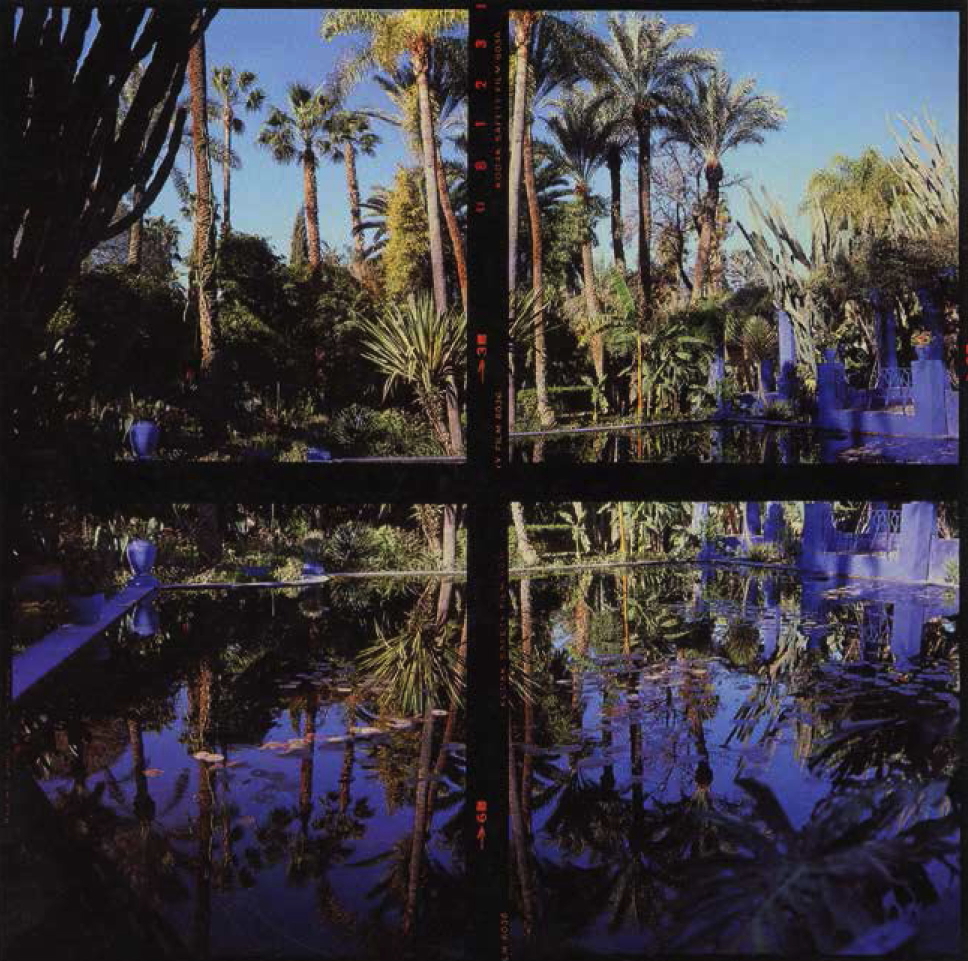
(778, 890)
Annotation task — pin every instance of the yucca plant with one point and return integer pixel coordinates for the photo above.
(759, 340)
(415, 345)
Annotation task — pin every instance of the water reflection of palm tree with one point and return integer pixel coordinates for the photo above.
(200, 704)
(419, 836)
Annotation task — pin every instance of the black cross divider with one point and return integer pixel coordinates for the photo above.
(486, 805)
(486, 482)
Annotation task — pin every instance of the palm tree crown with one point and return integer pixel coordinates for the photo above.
(717, 114)
(237, 90)
(297, 133)
(583, 132)
(645, 68)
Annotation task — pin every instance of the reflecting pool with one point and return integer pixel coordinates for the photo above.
(728, 443)
(727, 761)
(228, 758)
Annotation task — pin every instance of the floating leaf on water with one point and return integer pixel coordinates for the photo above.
(439, 712)
(272, 745)
(153, 772)
(336, 738)
(365, 731)
(234, 764)
(208, 757)
(399, 724)
(296, 742)
(343, 689)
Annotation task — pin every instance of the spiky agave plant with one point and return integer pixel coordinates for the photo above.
(786, 271)
(929, 183)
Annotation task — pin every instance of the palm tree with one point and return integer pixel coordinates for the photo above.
(862, 190)
(716, 114)
(204, 239)
(550, 52)
(375, 206)
(299, 134)
(646, 71)
(348, 134)
(236, 90)
(582, 134)
(446, 80)
(391, 34)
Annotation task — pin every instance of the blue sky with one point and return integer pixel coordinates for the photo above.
(841, 76)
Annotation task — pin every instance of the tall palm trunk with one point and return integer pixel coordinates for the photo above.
(522, 32)
(643, 129)
(545, 413)
(136, 234)
(707, 235)
(419, 55)
(448, 561)
(204, 240)
(453, 228)
(312, 208)
(614, 161)
(419, 837)
(528, 554)
(353, 188)
(597, 338)
(227, 172)
(644, 135)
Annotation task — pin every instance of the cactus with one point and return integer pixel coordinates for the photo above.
(787, 272)
(74, 150)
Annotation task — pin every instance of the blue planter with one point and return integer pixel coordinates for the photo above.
(145, 620)
(313, 569)
(144, 436)
(141, 556)
(316, 455)
(255, 570)
(85, 609)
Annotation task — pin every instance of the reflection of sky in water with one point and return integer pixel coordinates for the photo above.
(691, 700)
(277, 914)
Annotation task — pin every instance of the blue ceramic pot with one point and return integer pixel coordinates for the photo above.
(141, 556)
(144, 436)
(316, 455)
(85, 609)
(254, 570)
(313, 569)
